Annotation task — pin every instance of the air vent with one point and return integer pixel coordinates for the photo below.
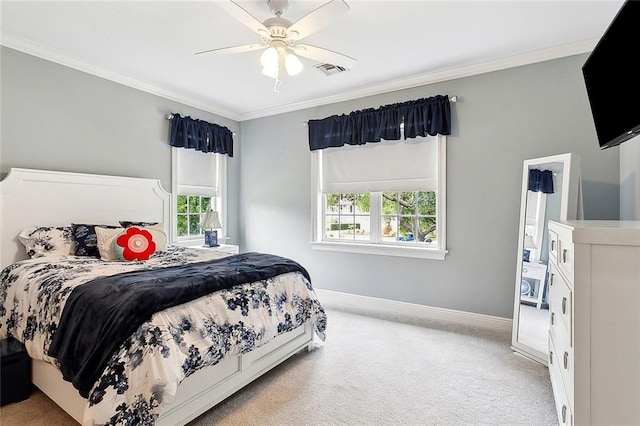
(330, 69)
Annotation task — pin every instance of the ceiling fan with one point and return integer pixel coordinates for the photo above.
(280, 37)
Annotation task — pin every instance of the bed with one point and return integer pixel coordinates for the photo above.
(139, 366)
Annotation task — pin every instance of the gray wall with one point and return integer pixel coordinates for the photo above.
(502, 118)
(55, 117)
(58, 118)
(630, 179)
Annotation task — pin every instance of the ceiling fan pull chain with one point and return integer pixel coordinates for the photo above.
(276, 82)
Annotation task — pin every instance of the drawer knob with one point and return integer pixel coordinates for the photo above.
(553, 245)
(564, 306)
(564, 256)
(564, 414)
(550, 357)
(551, 275)
(565, 360)
(553, 318)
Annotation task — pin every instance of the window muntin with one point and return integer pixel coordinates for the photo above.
(190, 211)
(347, 216)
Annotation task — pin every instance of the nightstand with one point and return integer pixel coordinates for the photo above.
(15, 372)
(535, 274)
(227, 248)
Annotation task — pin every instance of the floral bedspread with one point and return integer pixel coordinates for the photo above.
(142, 377)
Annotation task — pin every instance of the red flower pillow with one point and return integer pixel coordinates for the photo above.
(134, 244)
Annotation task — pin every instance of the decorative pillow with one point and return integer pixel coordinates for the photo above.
(128, 223)
(133, 243)
(86, 241)
(159, 236)
(47, 241)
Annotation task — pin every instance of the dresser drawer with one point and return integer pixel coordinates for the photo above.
(562, 398)
(563, 360)
(553, 246)
(565, 253)
(560, 305)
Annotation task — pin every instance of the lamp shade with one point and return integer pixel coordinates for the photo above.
(269, 58)
(292, 64)
(211, 220)
(270, 71)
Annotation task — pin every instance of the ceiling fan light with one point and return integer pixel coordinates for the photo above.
(292, 64)
(269, 58)
(271, 71)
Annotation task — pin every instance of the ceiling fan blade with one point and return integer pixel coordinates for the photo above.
(316, 19)
(235, 49)
(247, 19)
(324, 55)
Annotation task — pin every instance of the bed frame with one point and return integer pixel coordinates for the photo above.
(51, 198)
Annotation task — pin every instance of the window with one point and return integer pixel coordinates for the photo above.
(198, 185)
(409, 217)
(382, 198)
(190, 212)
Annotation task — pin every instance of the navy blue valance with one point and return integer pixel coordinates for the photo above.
(541, 181)
(187, 132)
(422, 117)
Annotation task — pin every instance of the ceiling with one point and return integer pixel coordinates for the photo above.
(151, 45)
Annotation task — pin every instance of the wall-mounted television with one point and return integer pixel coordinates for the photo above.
(612, 78)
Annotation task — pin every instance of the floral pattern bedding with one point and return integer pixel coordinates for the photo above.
(142, 377)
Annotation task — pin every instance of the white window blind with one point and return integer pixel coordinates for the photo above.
(386, 166)
(197, 172)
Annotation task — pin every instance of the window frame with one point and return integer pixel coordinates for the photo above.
(376, 246)
(217, 191)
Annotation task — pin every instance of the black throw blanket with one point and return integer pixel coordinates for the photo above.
(100, 315)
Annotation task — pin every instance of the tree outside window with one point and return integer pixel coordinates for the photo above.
(190, 211)
(409, 216)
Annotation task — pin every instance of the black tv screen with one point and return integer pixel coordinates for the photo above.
(612, 78)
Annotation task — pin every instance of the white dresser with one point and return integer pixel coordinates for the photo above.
(594, 332)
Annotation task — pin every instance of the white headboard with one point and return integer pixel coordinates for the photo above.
(51, 198)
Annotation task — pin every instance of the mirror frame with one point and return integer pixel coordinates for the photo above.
(570, 208)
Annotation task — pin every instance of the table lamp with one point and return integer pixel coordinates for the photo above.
(211, 223)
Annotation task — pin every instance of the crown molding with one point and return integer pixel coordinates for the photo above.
(375, 89)
(49, 54)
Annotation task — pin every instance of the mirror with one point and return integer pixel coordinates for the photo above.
(550, 191)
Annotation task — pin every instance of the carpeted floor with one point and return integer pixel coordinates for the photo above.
(373, 371)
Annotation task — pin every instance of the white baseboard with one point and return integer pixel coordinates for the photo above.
(376, 307)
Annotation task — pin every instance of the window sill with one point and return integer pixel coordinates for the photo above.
(381, 249)
(190, 241)
(196, 241)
